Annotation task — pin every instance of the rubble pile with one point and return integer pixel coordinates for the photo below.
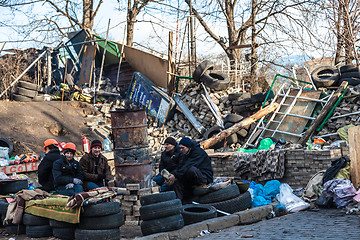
(349, 104)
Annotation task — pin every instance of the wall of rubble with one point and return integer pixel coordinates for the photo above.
(300, 165)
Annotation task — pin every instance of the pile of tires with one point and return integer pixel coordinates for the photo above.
(27, 92)
(37, 227)
(212, 132)
(227, 199)
(349, 73)
(100, 221)
(193, 213)
(62, 230)
(205, 74)
(13, 229)
(160, 212)
(325, 76)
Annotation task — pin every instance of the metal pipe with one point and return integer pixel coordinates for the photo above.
(345, 115)
(23, 73)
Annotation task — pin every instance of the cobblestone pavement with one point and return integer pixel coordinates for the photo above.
(323, 224)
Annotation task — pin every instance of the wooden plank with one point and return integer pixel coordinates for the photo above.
(238, 126)
(354, 149)
(87, 64)
(324, 112)
(292, 124)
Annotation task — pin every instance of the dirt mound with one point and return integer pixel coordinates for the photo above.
(28, 124)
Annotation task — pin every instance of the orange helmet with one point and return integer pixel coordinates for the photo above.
(49, 142)
(70, 145)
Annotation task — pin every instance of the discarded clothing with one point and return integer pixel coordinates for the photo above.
(15, 209)
(78, 199)
(261, 166)
(340, 190)
(314, 187)
(54, 208)
(335, 167)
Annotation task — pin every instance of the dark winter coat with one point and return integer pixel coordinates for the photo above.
(198, 158)
(170, 160)
(45, 175)
(65, 171)
(87, 164)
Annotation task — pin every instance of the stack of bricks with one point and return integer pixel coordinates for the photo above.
(130, 202)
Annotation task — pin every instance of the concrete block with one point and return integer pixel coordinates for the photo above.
(254, 214)
(220, 223)
(156, 236)
(133, 198)
(131, 187)
(189, 231)
(144, 191)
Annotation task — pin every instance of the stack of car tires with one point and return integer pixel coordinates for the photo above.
(215, 80)
(100, 221)
(37, 227)
(227, 199)
(349, 73)
(28, 92)
(62, 230)
(160, 212)
(10, 228)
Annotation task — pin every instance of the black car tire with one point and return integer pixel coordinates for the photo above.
(240, 203)
(351, 81)
(21, 98)
(223, 194)
(350, 75)
(193, 213)
(38, 231)
(102, 222)
(215, 80)
(32, 220)
(211, 132)
(59, 224)
(105, 234)
(64, 233)
(325, 76)
(162, 224)
(348, 68)
(17, 229)
(13, 186)
(157, 197)
(6, 143)
(200, 70)
(161, 209)
(28, 85)
(101, 209)
(27, 92)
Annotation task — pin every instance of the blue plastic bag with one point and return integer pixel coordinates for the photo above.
(272, 188)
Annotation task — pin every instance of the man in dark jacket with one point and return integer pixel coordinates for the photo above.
(170, 158)
(67, 172)
(194, 170)
(52, 153)
(95, 168)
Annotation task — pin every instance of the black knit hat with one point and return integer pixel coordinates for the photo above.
(95, 143)
(170, 140)
(69, 150)
(185, 141)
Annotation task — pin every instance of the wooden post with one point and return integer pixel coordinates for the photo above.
(354, 149)
(324, 112)
(238, 126)
(170, 82)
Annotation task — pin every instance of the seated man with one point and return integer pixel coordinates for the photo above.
(52, 153)
(169, 160)
(194, 170)
(67, 172)
(95, 168)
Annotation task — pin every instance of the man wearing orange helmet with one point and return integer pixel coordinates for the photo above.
(52, 153)
(67, 172)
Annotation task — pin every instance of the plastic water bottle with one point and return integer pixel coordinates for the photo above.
(107, 145)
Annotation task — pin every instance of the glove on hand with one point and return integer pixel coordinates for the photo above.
(69, 185)
(101, 177)
(77, 181)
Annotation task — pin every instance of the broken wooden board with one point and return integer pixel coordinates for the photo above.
(87, 64)
(292, 124)
(354, 149)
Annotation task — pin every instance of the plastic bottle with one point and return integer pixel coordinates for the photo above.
(107, 145)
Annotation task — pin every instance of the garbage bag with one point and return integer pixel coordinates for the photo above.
(259, 197)
(290, 200)
(4, 156)
(272, 188)
(340, 190)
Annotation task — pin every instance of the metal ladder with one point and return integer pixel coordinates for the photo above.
(285, 94)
